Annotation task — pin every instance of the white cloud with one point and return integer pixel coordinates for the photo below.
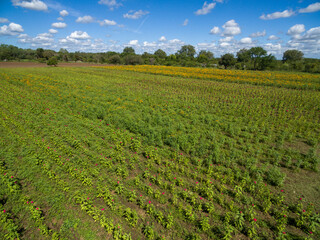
(32, 5)
(134, 42)
(23, 35)
(176, 41)
(231, 28)
(246, 40)
(296, 30)
(150, 44)
(311, 8)
(226, 39)
(275, 49)
(4, 20)
(107, 22)
(64, 13)
(313, 33)
(84, 19)
(273, 37)
(79, 35)
(185, 23)
(41, 40)
(59, 25)
(162, 39)
(308, 42)
(60, 19)
(224, 44)
(135, 15)
(14, 27)
(73, 43)
(275, 15)
(215, 30)
(44, 35)
(11, 29)
(206, 8)
(258, 34)
(171, 46)
(53, 31)
(112, 4)
(206, 46)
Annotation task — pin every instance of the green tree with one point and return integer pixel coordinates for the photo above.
(128, 51)
(47, 54)
(160, 54)
(186, 51)
(114, 59)
(63, 55)
(268, 62)
(10, 52)
(53, 61)
(204, 56)
(39, 52)
(243, 55)
(292, 55)
(133, 60)
(227, 60)
(256, 55)
(148, 58)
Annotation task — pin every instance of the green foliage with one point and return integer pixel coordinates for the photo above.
(275, 177)
(186, 51)
(227, 60)
(114, 59)
(53, 61)
(128, 51)
(292, 55)
(252, 59)
(160, 54)
(110, 154)
(133, 60)
(148, 232)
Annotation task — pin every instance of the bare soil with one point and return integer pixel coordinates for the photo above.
(35, 64)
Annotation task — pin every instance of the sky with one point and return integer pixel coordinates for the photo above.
(220, 26)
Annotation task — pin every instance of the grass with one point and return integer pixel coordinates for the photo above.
(105, 153)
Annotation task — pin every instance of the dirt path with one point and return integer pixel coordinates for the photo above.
(35, 64)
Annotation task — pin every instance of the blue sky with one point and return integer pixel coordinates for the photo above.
(221, 26)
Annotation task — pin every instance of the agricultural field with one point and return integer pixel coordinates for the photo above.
(149, 152)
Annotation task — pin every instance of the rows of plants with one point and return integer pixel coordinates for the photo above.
(159, 157)
(279, 79)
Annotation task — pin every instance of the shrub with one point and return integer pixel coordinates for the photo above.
(274, 176)
(133, 60)
(115, 59)
(52, 61)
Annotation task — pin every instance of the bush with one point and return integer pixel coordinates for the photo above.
(41, 60)
(133, 60)
(52, 61)
(115, 59)
(275, 177)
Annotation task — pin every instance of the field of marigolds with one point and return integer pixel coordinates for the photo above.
(150, 152)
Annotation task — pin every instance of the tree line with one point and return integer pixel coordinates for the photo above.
(255, 58)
